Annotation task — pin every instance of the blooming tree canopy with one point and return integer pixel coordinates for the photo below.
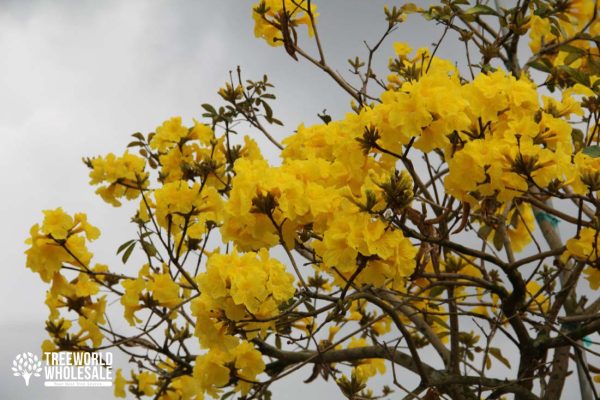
(418, 237)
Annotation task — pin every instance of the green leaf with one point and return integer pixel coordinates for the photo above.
(436, 291)
(439, 321)
(309, 306)
(149, 248)
(592, 151)
(576, 75)
(412, 7)
(211, 110)
(498, 239)
(135, 143)
(514, 220)
(127, 253)
(268, 112)
(122, 247)
(497, 353)
(276, 121)
(443, 334)
(470, 355)
(481, 9)
(577, 137)
(488, 362)
(571, 49)
(540, 66)
(227, 395)
(572, 57)
(484, 231)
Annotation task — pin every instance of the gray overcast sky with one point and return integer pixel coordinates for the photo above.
(78, 77)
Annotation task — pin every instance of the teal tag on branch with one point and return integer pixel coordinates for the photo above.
(544, 216)
(587, 342)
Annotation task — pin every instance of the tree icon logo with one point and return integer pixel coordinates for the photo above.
(26, 365)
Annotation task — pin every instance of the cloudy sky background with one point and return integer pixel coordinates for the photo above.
(77, 78)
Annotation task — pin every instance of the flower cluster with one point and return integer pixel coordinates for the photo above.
(122, 176)
(61, 242)
(273, 19)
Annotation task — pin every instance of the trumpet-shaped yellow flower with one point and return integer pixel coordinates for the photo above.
(272, 17)
(123, 177)
(164, 290)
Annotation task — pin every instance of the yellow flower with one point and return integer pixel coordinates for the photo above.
(48, 346)
(333, 330)
(177, 202)
(366, 368)
(211, 373)
(539, 32)
(120, 383)
(202, 132)
(247, 279)
(61, 287)
(131, 298)
(93, 332)
(593, 277)
(85, 286)
(164, 290)
(182, 388)
(351, 233)
(211, 328)
(402, 49)
(267, 15)
(520, 226)
(306, 325)
(176, 159)
(169, 134)
(236, 287)
(249, 364)
(587, 173)
(57, 223)
(539, 301)
(122, 176)
(280, 283)
(585, 247)
(82, 224)
(382, 326)
(145, 382)
(59, 241)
